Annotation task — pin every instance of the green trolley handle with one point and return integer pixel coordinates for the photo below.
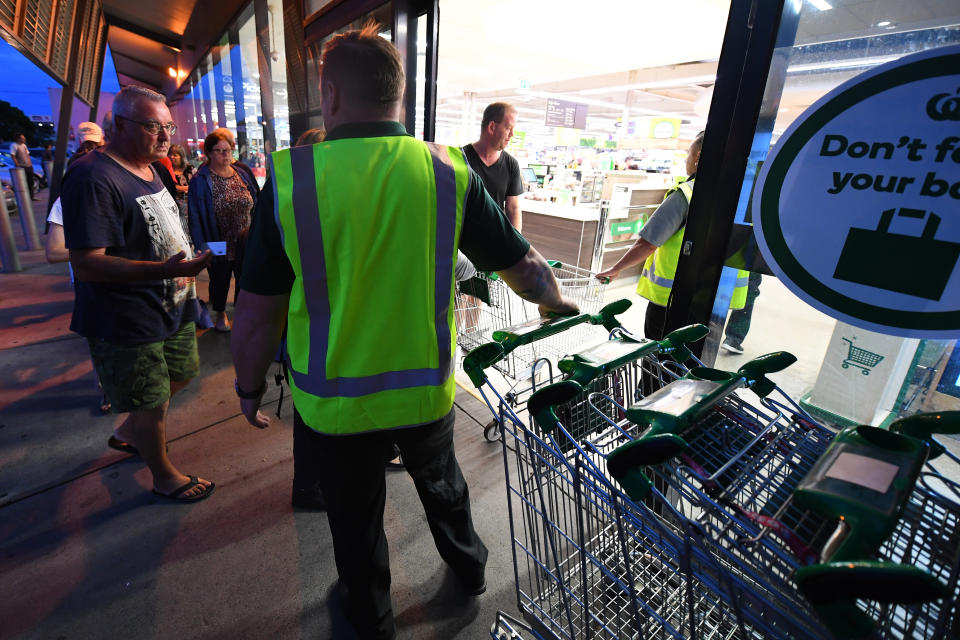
(509, 339)
(583, 370)
(704, 387)
(868, 507)
(588, 365)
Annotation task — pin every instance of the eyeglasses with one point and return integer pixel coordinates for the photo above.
(153, 127)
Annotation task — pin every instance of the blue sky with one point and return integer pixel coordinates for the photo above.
(25, 85)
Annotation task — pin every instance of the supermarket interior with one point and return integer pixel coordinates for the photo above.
(779, 459)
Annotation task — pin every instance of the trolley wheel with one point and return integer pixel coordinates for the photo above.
(491, 432)
(865, 372)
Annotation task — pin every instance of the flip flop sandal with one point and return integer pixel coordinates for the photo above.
(105, 405)
(179, 491)
(118, 444)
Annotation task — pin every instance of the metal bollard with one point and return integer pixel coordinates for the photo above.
(25, 201)
(8, 246)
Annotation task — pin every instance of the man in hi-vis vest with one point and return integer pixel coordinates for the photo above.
(353, 248)
(658, 248)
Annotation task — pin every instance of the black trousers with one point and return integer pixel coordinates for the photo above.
(653, 323)
(220, 271)
(739, 322)
(32, 182)
(351, 473)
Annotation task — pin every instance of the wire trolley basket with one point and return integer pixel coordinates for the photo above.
(485, 304)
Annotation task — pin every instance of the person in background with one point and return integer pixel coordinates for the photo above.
(340, 232)
(182, 172)
(738, 324)
(219, 202)
(21, 159)
(47, 158)
(499, 170)
(658, 249)
(135, 283)
(91, 137)
(237, 164)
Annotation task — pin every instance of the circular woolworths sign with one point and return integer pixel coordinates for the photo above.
(859, 201)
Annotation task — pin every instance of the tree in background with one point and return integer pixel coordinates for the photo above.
(14, 121)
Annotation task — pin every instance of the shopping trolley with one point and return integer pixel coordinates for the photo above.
(858, 541)
(697, 452)
(572, 576)
(485, 304)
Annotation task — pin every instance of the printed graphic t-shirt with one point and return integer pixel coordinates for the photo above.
(106, 206)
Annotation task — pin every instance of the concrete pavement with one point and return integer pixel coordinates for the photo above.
(86, 551)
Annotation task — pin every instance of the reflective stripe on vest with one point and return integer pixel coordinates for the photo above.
(738, 299)
(656, 278)
(370, 333)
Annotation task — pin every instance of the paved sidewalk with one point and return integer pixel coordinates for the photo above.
(87, 552)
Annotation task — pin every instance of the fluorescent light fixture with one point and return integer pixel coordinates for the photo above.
(842, 64)
(823, 5)
(655, 84)
(883, 23)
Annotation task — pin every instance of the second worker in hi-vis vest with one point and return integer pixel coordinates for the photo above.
(353, 249)
(658, 249)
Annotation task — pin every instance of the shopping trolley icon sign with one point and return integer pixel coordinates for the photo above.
(892, 261)
(861, 358)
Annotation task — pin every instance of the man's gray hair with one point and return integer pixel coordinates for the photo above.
(125, 102)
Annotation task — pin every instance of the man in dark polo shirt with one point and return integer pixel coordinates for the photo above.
(357, 236)
(499, 170)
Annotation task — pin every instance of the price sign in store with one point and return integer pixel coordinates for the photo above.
(561, 113)
(859, 202)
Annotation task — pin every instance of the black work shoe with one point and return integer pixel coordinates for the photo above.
(394, 461)
(473, 586)
(310, 499)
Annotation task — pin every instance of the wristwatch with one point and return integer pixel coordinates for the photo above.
(249, 395)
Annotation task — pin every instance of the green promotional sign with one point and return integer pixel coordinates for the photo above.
(621, 228)
(859, 201)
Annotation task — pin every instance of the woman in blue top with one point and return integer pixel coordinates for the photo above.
(220, 200)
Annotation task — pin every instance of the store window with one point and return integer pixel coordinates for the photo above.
(608, 99)
(845, 374)
(315, 40)
(228, 90)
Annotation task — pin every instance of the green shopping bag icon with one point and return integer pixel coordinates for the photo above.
(917, 266)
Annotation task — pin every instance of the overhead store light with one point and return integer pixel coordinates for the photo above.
(842, 64)
(821, 4)
(655, 84)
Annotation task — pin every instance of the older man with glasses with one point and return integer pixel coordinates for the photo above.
(135, 283)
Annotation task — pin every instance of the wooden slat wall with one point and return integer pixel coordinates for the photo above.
(42, 29)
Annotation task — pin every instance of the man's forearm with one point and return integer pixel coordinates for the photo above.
(637, 254)
(104, 268)
(532, 279)
(257, 330)
(94, 265)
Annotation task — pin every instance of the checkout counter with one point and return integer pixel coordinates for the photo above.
(578, 228)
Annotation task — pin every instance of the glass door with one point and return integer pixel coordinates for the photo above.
(845, 373)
